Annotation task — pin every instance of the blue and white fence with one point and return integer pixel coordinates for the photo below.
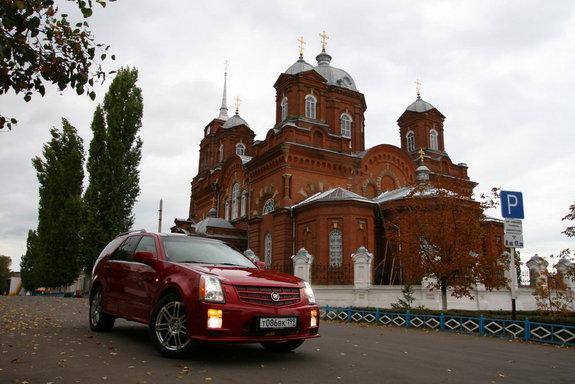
(516, 329)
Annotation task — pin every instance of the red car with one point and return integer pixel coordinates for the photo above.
(191, 288)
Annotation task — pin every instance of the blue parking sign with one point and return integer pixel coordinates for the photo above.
(512, 205)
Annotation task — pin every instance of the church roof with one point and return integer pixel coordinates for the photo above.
(334, 194)
(419, 105)
(212, 222)
(333, 75)
(395, 194)
(235, 121)
(299, 66)
(245, 158)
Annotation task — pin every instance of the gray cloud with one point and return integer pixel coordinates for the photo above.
(498, 71)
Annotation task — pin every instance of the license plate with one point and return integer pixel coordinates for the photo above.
(277, 322)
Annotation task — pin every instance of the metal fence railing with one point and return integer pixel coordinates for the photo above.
(516, 329)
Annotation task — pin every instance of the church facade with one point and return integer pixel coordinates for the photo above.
(311, 183)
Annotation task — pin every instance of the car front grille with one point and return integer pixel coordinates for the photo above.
(265, 295)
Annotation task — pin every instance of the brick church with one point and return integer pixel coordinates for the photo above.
(311, 183)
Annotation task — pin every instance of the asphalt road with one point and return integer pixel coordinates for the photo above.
(47, 340)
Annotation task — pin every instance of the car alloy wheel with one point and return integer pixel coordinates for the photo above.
(100, 321)
(168, 327)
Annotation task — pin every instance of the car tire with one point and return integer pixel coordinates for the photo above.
(282, 346)
(168, 329)
(100, 321)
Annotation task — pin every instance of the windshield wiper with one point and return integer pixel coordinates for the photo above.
(231, 264)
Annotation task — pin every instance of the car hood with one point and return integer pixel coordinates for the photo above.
(249, 276)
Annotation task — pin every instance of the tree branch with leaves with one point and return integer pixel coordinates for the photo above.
(41, 45)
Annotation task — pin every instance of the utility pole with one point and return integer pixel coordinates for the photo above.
(160, 217)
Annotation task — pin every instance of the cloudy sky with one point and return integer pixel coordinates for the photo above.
(501, 72)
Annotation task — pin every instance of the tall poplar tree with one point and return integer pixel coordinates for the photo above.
(61, 174)
(29, 263)
(113, 161)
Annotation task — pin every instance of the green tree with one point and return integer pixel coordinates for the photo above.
(40, 45)
(5, 262)
(61, 175)
(29, 263)
(113, 161)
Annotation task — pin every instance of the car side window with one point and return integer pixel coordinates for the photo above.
(126, 250)
(147, 244)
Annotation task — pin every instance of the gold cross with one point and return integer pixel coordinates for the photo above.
(421, 154)
(226, 65)
(418, 87)
(237, 100)
(324, 38)
(301, 44)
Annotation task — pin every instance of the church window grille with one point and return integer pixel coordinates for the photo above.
(433, 139)
(240, 149)
(269, 206)
(244, 203)
(235, 200)
(268, 250)
(284, 106)
(310, 106)
(335, 248)
(410, 141)
(346, 125)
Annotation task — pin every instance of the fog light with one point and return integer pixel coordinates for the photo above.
(214, 318)
(313, 318)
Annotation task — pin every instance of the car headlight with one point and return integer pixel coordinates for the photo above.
(309, 292)
(211, 289)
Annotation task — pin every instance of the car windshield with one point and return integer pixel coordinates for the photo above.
(190, 250)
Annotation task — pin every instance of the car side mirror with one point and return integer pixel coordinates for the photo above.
(261, 265)
(144, 257)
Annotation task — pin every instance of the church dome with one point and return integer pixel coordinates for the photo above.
(334, 76)
(235, 121)
(299, 66)
(420, 105)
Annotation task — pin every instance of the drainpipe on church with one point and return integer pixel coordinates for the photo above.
(292, 230)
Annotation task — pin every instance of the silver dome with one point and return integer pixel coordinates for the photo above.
(234, 121)
(334, 76)
(420, 105)
(299, 66)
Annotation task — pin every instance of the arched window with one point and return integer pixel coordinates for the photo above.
(240, 149)
(433, 139)
(221, 153)
(284, 105)
(268, 250)
(410, 141)
(310, 104)
(269, 206)
(346, 125)
(335, 248)
(235, 200)
(244, 203)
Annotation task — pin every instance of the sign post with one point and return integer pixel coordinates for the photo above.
(512, 211)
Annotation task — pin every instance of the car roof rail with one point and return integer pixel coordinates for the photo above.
(132, 231)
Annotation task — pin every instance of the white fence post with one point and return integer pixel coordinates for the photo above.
(302, 261)
(362, 260)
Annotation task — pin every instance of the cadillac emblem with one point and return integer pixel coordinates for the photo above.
(275, 296)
